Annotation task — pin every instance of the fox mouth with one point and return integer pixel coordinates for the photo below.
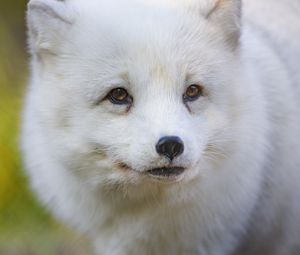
(165, 172)
(162, 173)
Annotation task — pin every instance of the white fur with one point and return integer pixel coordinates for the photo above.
(242, 148)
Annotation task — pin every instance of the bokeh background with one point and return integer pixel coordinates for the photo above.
(25, 227)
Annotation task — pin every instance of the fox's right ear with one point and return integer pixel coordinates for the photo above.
(48, 21)
(225, 14)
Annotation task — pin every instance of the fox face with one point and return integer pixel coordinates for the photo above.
(161, 127)
(126, 99)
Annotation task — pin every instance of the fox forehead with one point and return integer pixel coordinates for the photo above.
(175, 4)
(131, 39)
(144, 15)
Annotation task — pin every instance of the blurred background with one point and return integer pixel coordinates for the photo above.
(25, 227)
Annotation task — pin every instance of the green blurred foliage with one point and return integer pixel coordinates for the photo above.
(25, 227)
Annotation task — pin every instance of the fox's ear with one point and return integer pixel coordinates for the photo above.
(227, 15)
(48, 21)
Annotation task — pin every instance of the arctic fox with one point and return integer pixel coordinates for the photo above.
(167, 127)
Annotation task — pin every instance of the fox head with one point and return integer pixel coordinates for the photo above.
(134, 92)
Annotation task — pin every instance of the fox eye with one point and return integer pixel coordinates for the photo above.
(192, 93)
(119, 96)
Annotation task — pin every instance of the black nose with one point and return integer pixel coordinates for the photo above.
(170, 147)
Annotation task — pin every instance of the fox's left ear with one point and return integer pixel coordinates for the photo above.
(48, 21)
(226, 14)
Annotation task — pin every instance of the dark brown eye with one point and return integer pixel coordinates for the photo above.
(192, 93)
(119, 96)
